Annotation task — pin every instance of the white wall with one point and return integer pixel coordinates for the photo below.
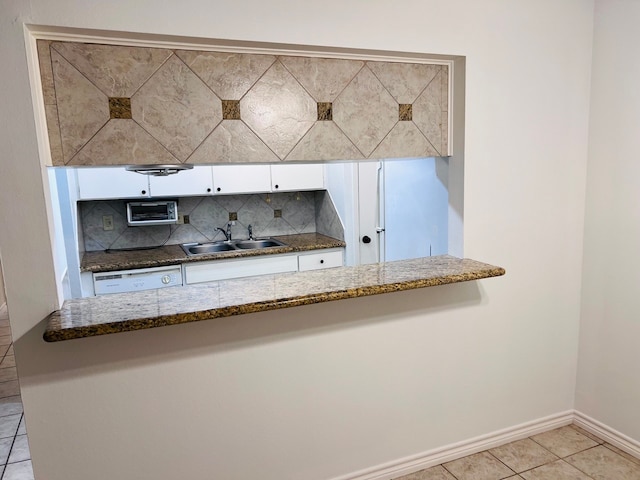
(323, 390)
(608, 387)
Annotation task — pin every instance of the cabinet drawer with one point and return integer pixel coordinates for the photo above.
(225, 269)
(317, 261)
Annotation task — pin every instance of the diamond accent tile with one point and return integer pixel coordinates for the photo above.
(325, 111)
(278, 110)
(120, 107)
(325, 141)
(122, 142)
(365, 111)
(116, 70)
(229, 75)
(429, 113)
(82, 108)
(323, 78)
(233, 142)
(405, 140)
(231, 109)
(176, 108)
(405, 112)
(405, 81)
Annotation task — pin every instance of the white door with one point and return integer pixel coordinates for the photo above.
(371, 237)
(229, 179)
(197, 181)
(110, 182)
(296, 177)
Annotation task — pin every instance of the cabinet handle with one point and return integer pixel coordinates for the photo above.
(366, 239)
(276, 186)
(144, 192)
(208, 190)
(218, 189)
(321, 261)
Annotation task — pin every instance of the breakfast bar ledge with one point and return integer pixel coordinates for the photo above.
(123, 312)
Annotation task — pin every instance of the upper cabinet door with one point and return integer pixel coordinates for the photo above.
(228, 179)
(111, 182)
(197, 181)
(286, 178)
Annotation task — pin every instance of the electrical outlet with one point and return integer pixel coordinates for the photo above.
(107, 222)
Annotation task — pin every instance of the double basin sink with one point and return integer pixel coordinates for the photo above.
(229, 246)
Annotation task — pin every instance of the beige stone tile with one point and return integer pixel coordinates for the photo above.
(9, 389)
(563, 441)
(8, 361)
(428, 112)
(523, 455)
(365, 111)
(118, 71)
(10, 405)
(622, 453)
(405, 81)
(4, 349)
(7, 374)
(5, 331)
(480, 466)
(444, 148)
(53, 132)
(5, 340)
(325, 141)
(229, 75)
(593, 437)
(122, 142)
(558, 470)
(10, 351)
(82, 108)
(404, 140)
(323, 78)
(232, 141)
(278, 110)
(176, 108)
(602, 463)
(46, 72)
(433, 473)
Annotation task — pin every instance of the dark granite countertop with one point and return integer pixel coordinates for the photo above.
(124, 312)
(105, 261)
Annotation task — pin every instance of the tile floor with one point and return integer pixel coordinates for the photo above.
(15, 458)
(566, 453)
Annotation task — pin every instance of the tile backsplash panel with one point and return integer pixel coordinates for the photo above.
(121, 105)
(268, 214)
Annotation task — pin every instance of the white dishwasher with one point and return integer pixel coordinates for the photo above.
(137, 279)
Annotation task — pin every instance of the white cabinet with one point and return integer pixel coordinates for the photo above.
(115, 182)
(211, 271)
(244, 267)
(228, 179)
(318, 261)
(197, 181)
(295, 177)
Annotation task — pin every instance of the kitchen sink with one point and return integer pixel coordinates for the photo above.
(251, 244)
(218, 247)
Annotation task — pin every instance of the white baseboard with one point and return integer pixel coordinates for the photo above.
(414, 463)
(607, 434)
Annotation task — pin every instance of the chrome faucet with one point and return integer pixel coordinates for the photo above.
(227, 232)
(250, 228)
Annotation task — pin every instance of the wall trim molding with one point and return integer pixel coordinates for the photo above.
(608, 434)
(430, 458)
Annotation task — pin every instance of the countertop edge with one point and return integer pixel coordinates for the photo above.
(486, 271)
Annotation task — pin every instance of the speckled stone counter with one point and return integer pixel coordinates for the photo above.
(124, 312)
(105, 261)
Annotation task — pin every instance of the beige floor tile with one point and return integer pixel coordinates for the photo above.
(8, 361)
(9, 389)
(4, 349)
(19, 471)
(523, 455)
(9, 425)
(593, 437)
(5, 330)
(7, 374)
(10, 405)
(622, 453)
(5, 340)
(433, 473)
(10, 351)
(481, 466)
(601, 463)
(20, 450)
(558, 470)
(564, 441)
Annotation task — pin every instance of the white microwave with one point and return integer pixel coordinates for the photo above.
(152, 213)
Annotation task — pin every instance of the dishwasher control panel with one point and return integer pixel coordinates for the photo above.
(137, 279)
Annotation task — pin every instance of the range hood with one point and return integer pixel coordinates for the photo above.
(158, 170)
